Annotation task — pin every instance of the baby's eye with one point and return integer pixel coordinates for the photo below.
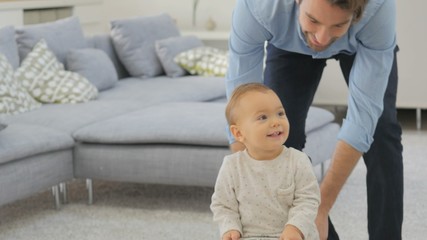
(262, 117)
(281, 113)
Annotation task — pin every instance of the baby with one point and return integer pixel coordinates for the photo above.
(267, 191)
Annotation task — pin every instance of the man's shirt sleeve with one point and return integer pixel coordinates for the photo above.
(369, 77)
(246, 49)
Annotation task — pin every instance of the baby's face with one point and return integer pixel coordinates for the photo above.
(263, 124)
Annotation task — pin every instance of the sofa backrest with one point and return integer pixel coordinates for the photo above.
(105, 43)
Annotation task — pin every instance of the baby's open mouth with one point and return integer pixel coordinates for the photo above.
(275, 134)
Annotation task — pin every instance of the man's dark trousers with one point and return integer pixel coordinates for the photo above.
(295, 78)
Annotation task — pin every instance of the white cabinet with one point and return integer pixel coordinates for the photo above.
(18, 13)
(33, 16)
(217, 39)
(411, 35)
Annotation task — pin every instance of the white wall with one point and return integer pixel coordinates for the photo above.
(180, 10)
(412, 62)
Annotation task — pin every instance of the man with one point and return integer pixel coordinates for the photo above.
(301, 36)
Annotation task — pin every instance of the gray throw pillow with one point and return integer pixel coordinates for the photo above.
(134, 40)
(8, 45)
(61, 36)
(93, 64)
(105, 43)
(168, 48)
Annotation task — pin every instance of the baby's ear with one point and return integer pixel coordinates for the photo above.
(237, 134)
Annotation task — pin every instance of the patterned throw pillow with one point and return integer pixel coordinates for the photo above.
(168, 48)
(46, 80)
(13, 97)
(205, 61)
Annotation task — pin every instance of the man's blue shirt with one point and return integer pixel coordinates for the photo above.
(276, 21)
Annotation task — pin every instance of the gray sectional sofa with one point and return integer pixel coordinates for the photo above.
(158, 130)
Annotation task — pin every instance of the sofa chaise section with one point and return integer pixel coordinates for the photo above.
(33, 158)
(179, 143)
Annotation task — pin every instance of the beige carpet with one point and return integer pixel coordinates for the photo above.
(137, 211)
(120, 211)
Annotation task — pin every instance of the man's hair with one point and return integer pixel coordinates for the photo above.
(238, 93)
(355, 6)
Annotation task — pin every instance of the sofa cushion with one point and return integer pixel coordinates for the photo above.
(19, 141)
(94, 65)
(13, 97)
(176, 123)
(194, 123)
(8, 45)
(134, 40)
(321, 142)
(47, 81)
(317, 118)
(165, 89)
(2, 126)
(168, 48)
(70, 117)
(61, 36)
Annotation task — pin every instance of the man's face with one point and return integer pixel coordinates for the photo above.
(322, 23)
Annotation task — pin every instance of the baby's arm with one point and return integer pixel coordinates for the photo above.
(224, 206)
(303, 212)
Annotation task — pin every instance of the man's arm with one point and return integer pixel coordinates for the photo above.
(306, 200)
(344, 160)
(246, 47)
(246, 50)
(367, 84)
(369, 75)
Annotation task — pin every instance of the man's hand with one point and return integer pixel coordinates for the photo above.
(231, 235)
(291, 233)
(322, 225)
(237, 146)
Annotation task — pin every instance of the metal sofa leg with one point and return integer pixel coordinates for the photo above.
(419, 118)
(63, 190)
(89, 187)
(55, 192)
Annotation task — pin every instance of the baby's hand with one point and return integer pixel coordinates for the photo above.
(231, 235)
(291, 233)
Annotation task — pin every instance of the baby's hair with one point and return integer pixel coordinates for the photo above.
(237, 94)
